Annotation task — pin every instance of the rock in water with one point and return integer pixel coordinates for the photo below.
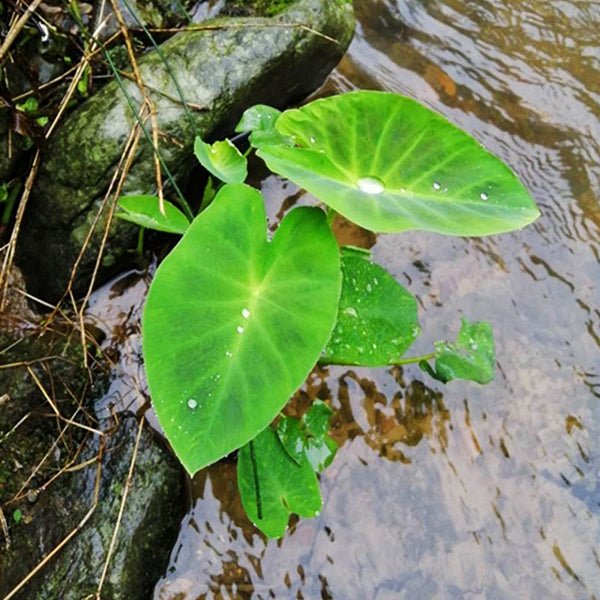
(226, 67)
(49, 473)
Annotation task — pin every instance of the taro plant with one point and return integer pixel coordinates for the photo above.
(235, 321)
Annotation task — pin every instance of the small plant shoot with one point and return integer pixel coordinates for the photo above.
(234, 321)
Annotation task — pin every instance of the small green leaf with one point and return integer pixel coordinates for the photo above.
(234, 323)
(258, 118)
(472, 357)
(260, 121)
(145, 211)
(3, 192)
(308, 437)
(321, 452)
(273, 486)
(30, 106)
(316, 420)
(390, 164)
(223, 160)
(17, 516)
(292, 437)
(377, 318)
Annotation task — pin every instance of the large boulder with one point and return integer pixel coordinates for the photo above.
(53, 471)
(225, 67)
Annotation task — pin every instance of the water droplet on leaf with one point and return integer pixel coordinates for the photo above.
(483, 196)
(192, 404)
(436, 185)
(370, 185)
(350, 310)
(245, 313)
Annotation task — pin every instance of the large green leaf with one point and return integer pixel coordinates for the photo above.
(308, 437)
(273, 486)
(144, 210)
(389, 164)
(233, 323)
(472, 357)
(377, 318)
(222, 159)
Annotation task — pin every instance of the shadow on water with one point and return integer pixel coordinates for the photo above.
(485, 492)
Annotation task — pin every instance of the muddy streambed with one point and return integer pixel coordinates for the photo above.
(461, 491)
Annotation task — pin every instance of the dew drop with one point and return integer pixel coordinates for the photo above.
(369, 287)
(192, 404)
(228, 353)
(312, 140)
(483, 196)
(240, 329)
(360, 349)
(350, 310)
(376, 281)
(245, 313)
(374, 346)
(370, 185)
(436, 185)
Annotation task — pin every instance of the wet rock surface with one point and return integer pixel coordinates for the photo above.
(61, 479)
(221, 70)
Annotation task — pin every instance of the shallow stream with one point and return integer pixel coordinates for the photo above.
(459, 491)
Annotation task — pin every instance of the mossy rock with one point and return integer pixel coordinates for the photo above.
(52, 502)
(227, 67)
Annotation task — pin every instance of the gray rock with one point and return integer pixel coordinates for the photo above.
(53, 506)
(232, 65)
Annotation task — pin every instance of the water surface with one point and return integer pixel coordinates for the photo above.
(457, 491)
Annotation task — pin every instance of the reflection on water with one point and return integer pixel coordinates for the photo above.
(489, 492)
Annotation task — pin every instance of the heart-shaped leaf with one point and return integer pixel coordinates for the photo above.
(308, 436)
(273, 486)
(377, 318)
(234, 323)
(145, 211)
(222, 159)
(389, 164)
(472, 357)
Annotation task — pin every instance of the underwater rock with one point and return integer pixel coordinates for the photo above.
(51, 472)
(222, 69)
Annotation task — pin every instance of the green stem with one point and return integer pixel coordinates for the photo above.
(414, 359)
(256, 482)
(331, 213)
(10, 203)
(400, 361)
(140, 244)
